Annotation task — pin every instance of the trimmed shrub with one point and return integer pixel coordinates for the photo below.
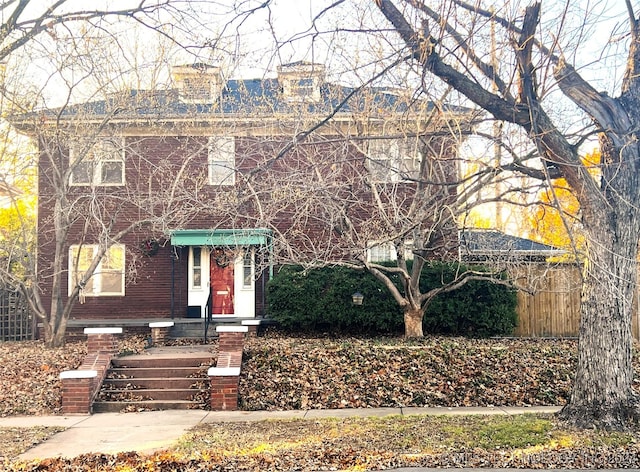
(320, 300)
(479, 308)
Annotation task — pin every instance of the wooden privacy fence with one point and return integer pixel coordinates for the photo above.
(553, 310)
(16, 321)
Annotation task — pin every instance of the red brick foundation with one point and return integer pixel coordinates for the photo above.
(231, 338)
(252, 326)
(102, 340)
(224, 387)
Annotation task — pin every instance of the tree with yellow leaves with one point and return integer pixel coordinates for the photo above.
(555, 219)
(18, 213)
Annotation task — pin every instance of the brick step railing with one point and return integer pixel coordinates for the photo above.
(79, 387)
(225, 376)
(106, 383)
(137, 383)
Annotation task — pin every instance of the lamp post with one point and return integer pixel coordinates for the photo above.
(357, 298)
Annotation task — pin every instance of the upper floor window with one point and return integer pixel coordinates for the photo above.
(222, 160)
(394, 160)
(107, 279)
(102, 163)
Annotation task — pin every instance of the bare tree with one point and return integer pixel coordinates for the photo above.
(98, 210)
(82, 55)
(371, 180)
(451, 42)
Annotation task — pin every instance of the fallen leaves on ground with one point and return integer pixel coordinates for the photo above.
(359, 444)
(283, 373)
(30, 374)
(15, 441)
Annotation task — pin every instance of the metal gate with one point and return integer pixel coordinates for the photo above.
(16, 321)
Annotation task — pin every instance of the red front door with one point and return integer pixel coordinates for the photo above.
(222, 282)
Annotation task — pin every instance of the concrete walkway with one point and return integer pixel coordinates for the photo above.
(152, 430)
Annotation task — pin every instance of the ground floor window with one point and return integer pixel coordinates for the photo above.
(107, 279)
(196, 267)
(386, 252)
(247, 269)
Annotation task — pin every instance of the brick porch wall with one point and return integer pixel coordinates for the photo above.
(225, 376)
(80, 386)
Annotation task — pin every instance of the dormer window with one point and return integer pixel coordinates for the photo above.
(304, 88)
(301, 81)
(197, 83)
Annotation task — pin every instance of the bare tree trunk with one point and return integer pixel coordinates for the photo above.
(413, 322)
(602, 396)
(48, 333)
(54, 326)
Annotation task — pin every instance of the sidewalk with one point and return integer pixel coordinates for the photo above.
(145, 432)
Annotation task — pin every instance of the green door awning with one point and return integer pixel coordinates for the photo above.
(221, 237)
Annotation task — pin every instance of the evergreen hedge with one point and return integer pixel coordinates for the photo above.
(320, 301)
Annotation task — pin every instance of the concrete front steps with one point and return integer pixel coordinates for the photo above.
(170, 380)
(194, 328)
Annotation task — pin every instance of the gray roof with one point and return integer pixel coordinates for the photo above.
(491, 244)
(255, 96)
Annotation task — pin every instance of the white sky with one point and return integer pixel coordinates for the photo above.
(249, 47)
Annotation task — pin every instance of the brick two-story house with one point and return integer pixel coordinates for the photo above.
(193, 189)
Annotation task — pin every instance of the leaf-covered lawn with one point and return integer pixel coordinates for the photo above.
(281, 373)
(15, 441)
(30, 374)
(292, 373)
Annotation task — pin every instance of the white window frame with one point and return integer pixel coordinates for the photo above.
(301, 89)
(93, 287)
(386, 251)
(196, 270)
(97, 158)
(393, 160)
(222, 160)
(381, 252)
(197, 88)
(248, 269)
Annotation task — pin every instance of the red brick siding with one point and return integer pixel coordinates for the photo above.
(102, 343)
(224, 388)
(230, 342)
(148, 294)
(78, 394)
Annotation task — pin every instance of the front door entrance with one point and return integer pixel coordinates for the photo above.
(222, 282)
